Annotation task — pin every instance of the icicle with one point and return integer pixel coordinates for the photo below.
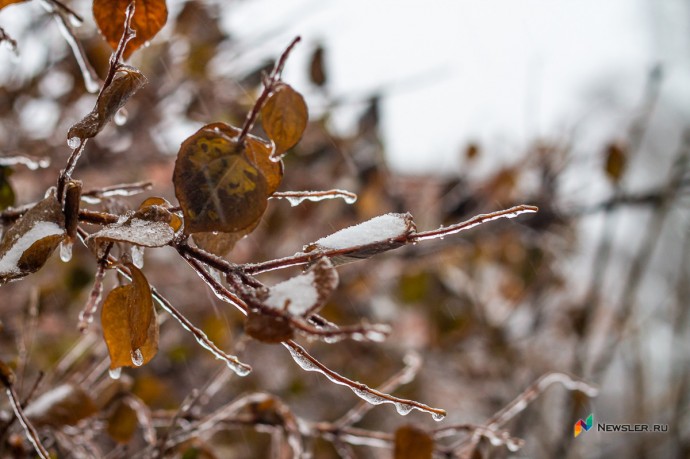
(66, 249)
(120, 117)
(115, 373)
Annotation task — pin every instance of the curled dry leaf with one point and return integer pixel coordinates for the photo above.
(284, 117)
(64, 405)
(129, 323)
(413, 443)
(149, 18)
(28, 244)
(380, 234)
(223, 184)
(126, 82)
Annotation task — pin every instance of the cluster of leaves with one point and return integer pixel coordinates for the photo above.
(455, 299)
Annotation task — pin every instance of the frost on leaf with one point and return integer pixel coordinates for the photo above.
(149, 18)
(64, 405)
(284, 117)
(28, 244)
(150, 226)
(129, 323)
(223, 184)
(305, 294)
(380, 234)
(126, 82)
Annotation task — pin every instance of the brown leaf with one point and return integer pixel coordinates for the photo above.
(129, 323)
(6, 374)
(28, 244)
(616, 160)
(175, 222)
(122, 423)
(267, 328)
(149, 18)
(413, 443)
(4, 3)
(317, 73)
(220, 184)
(222, 244)
(284, 117)
(64, 405)
(126, 82)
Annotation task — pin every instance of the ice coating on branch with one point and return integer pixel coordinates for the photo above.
(296, 198)
(379, 229)
(136, 231)
(10, 259)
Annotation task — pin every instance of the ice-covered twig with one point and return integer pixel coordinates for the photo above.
(94, 196)
(7, 380)
(373, 396)
(87, 314)
(33, 163)
(362, 250)
(296, 198)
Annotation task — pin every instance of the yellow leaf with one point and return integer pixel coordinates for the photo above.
(149, 18)
(284, 117)
(129, 323)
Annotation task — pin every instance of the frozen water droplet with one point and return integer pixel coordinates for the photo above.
(294, 201)
(147, 43)
(138, 256)
(115, 372)
(403, 409)
(66, 250)
(137, 357)
(75, 21)
(120, 117)
(73, 142)
(437, 416)
(350, 199)
(239, 369)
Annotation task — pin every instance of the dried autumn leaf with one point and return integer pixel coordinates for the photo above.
(380, 234)
(223, 185)
(126, 82)
(28, 244)
(268, 329)
(149, 18)
(129, 323)
(221, 243)
(284, 117)
(305, 294)
(122, 423)
(4, 3)
(175, 221)
(413, 443)
(317, 74)
(616, 160)
(64, 405)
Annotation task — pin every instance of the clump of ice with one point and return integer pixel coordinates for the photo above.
(299, 294)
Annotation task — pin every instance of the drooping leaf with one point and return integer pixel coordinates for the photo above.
(221, 244)
(413, 443)
(149, 226)
(149, 18)
(64, 405)
(126, 82)
(380, 234)
(267, 328)
(129, 323)
(122, 424)
(4, 3)
(284, 117)
(306, 293)
(616, 160)
(222, 184)
(28, 244)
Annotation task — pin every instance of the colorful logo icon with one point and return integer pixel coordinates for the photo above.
(581, 425)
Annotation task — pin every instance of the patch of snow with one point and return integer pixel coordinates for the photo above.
(299, 293)
(9, 260)
(378, 229)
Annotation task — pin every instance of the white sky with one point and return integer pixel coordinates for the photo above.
(497, 71)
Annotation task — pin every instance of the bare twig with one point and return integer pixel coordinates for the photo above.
(87, 314)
